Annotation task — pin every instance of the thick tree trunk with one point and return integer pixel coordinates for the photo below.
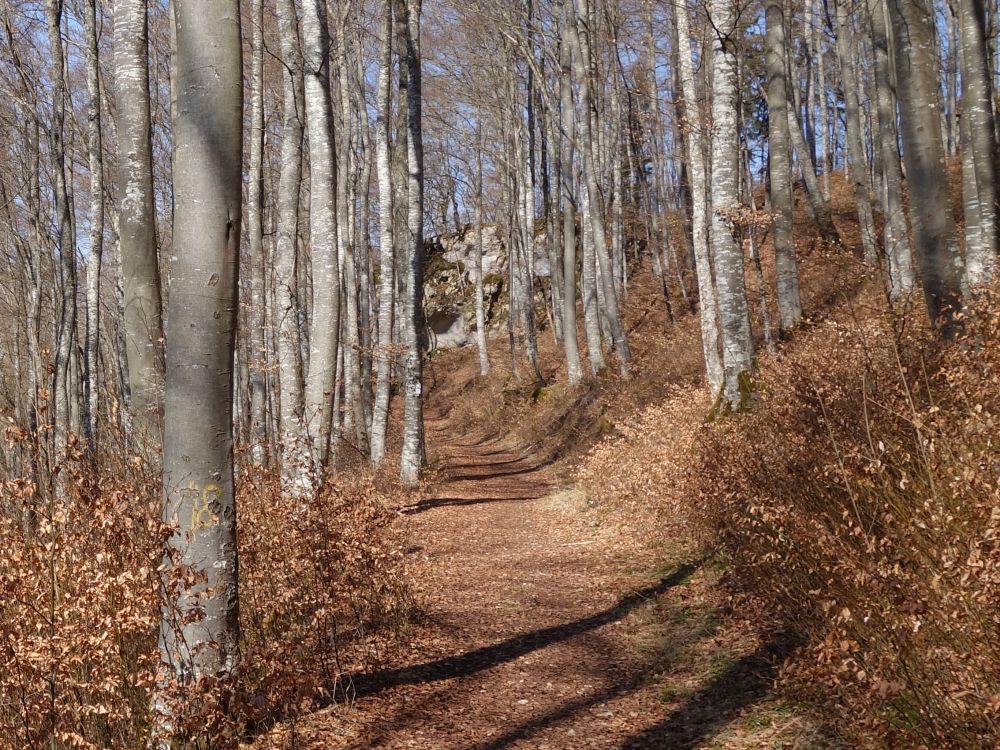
(930, 196)
(699, 210)
(737, 343)
(200, 630)
(137, 223)
(568, 202)
(324, 324)
(347, 250)
(780, 163)
(580, 48)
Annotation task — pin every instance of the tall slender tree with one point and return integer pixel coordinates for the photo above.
(137, 221)
(780, 164)
(413, 454)
(324, 327)
(734, 319)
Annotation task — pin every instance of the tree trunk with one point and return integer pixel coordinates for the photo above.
(737, 343)
(296, 458)
(200, 630)
(324, 324)
(855, 145)
(137, 223)
(568, 204)
(95, 147)
(780, 164)
(930, 196)
(413, 456)
(580, 48)
(387, 280)
(977, 122)
(65, 322)
(255, 233)
(699, 209)
(477, 261)
(898, 253)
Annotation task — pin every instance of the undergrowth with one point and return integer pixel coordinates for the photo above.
(322, 593)
(858, 502)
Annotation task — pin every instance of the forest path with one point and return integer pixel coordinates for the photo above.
(545, 626)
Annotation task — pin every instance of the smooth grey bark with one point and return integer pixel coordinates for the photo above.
(896, 239)
(522, 269)
(930, 206)
(255, 233)
(362, 242)
(571, 345)
(200, 629)
(822, 115)
(780, 165)
(977, 124)
(737, 342)
(324, 324)
(588, 289)
(477, 262)
(550, 168)
(65, 319)
(855, 137)
(296, 457)
(347, 250)
(699, 209)
(387, 281)
(746, 179)
(92, 339)
(413, 455)
(579, 44)
(137, 222)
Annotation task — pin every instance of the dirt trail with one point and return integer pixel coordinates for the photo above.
(546, 627)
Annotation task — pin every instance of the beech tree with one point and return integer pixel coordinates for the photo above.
(931, 216)
(200, 631)
(137, 221)
(734, 319)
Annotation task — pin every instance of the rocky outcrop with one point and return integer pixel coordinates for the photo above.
(449, 284)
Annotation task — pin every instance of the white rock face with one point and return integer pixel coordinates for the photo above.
(450, 286)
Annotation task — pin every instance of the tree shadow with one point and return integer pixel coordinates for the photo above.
(700, 717)
(704, 714)
(444, 502)
(484, 464)
(487, 657)
(500, 474)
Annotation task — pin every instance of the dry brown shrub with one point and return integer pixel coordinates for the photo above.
(321, 593)
(644, 466)
(859, 501)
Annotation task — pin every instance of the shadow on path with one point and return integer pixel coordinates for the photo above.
(699, 718)
(444, 502)
(708, 711)
(472, 662)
